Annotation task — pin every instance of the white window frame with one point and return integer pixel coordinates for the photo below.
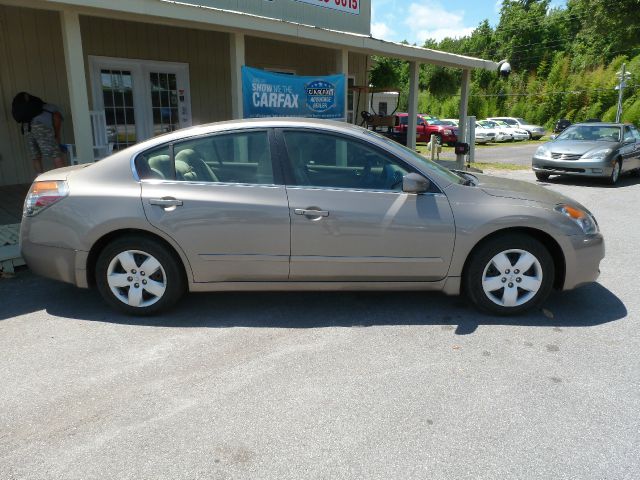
(140, 70)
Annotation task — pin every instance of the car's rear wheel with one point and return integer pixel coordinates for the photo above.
(542, 177)
(615, 173)
(509, 274)
(139, 276)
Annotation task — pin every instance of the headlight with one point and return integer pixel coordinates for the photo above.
(599, 154)
(584, 219)
(543, 152)
(43, 195)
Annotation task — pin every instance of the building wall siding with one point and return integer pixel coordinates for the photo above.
(206, 52)
(32, 60)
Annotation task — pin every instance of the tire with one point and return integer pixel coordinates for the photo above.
(438, 139)
(615, 173)
(120, 278)
(486, 273)
(529, 136)
(542, 177)
(636, 172)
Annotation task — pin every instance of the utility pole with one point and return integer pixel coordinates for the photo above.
(623, 76)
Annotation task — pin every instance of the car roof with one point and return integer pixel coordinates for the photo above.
(272, 122)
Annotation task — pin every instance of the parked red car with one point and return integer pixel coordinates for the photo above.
(428, 126)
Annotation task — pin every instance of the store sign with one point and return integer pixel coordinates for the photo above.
(267, 94)
(349, 6)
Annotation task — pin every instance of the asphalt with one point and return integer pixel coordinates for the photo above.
(329, 385)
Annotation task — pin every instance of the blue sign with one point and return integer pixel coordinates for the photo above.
(267, 94)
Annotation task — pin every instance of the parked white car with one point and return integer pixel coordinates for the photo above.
(534, 132)
(490, 133)
(501, 134)
(517, 133)
(483, 135)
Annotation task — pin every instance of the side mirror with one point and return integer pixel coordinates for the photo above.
(553, 137)
(415, 183)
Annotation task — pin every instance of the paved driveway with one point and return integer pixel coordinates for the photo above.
(329, 385)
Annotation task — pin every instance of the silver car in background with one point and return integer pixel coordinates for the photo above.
(604, 150)
(294, 204)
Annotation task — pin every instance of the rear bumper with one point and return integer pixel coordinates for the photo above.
(587, 168)
(583, 263)
(61, 264)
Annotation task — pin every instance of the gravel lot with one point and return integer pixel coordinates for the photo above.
(329, 385)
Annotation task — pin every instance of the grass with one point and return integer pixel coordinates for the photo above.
(422, 148)
(499, 166)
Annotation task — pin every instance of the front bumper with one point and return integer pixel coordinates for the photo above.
(588, 168)
(582, 261)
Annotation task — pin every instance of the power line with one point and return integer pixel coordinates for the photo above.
(542, 94)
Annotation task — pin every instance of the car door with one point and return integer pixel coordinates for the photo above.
(636, 136)
(630, 150)
(217, 196)
(350, 220)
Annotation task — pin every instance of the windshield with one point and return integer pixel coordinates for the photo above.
(508, 121)
(591, 133)
(426, 163)
(435, 122)
(522, 120)
(487, 123)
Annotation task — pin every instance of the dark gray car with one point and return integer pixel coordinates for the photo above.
(590, 149)
(294, 204)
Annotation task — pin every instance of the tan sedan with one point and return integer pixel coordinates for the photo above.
(294, 204)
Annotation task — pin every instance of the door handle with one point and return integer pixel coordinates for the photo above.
(311, 213)
(165, 202)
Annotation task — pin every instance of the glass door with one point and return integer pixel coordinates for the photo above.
(117, 96)
(164, 102)
(140, 98)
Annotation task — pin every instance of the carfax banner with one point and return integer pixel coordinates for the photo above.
(349, 6)
(267, 94)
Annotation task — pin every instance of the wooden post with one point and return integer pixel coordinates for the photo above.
(413, 105)
(236, 54)
(76, 78)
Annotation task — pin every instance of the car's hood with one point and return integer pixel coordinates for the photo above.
(507, 188)
(578, 147)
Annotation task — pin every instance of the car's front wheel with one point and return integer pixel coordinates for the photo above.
(509, 274)
(542, 177)
(615, 173)
(139, 276)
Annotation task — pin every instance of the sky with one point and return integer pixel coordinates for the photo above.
(416, 21)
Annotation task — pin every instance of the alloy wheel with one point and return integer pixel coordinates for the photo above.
(512, 278)
(136, 278)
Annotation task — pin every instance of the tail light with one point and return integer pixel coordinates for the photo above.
(44, 194)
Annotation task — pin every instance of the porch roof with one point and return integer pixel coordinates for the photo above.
(188, 13)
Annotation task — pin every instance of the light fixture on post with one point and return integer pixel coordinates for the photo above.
(504, 69)
(623, 76)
